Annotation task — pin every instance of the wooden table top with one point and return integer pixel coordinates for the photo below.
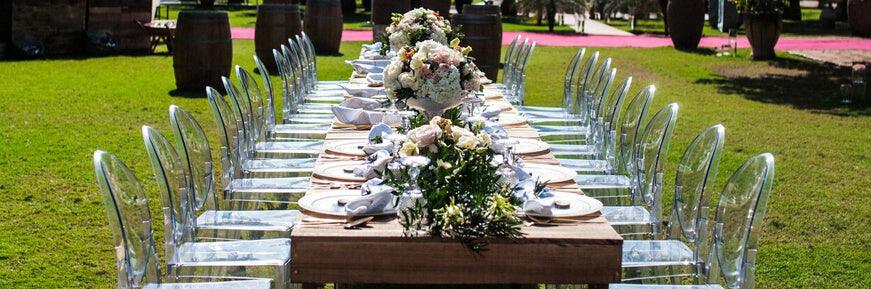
(588, 252)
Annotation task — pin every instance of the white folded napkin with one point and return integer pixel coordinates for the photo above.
(364, 66)
(375, 168)
(370, 149)
(361, 103)
(362, 90)
(375, 77)
(356, 116)
(490, 111)
(376, 198)
(372, 51)
(539, 207)
(380, 130)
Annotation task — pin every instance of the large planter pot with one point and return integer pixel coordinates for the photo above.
(763, 31)
(859, 17)
(686, 19)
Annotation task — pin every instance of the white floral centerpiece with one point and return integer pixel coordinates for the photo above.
(432, 77)
(415, 26)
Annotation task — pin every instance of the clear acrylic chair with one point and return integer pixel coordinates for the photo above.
(305, 101)
(601, 136)
(196, 158)
(293, 101)
(518, 90)
(734, 245)
(568, 91)
(576, 118)
(136, 258)
(284, 191)
(507, 65)
(508, 90)
(602, 77)
(644, 216)
(615, 188)
(307, 49)
(262, 132)
(298, 158)
(685, 244)
(253, 258)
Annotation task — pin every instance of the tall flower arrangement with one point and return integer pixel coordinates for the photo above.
(415, 26)
(432, 77)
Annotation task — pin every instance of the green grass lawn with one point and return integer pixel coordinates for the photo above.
(809, 26)
(55, 113)
(241, 16)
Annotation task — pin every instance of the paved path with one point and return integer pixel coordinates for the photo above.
(644, 41)
(592, 27)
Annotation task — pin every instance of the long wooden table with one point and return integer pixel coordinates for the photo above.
(585, 253)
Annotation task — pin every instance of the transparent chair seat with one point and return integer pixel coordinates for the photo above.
(326, 93)
(278, 167)
(294, 148)
(313, 131)
(628, 215)
(663, 286)
(271, 185)
(270, 252)
(603, 181)
(277, 220)
(653, 253)
(315, 110)
(587, 166)
(573, 151)
(244, 284)
(309, 118)
(554, 121)
(533, 109)
(561, 129)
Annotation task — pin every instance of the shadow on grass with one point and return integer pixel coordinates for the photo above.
(801, 84)
(16, 57)
(190, 93)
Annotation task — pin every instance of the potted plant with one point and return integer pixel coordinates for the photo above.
(763, 22)
(859, 16)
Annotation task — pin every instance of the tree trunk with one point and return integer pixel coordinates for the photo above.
(551, 15)
(663, 5)
(538, 17)
(793, 11)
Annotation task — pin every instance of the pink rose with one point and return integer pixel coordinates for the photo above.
(425, 135)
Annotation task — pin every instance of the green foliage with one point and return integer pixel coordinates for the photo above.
(465, 199)
(761, 7)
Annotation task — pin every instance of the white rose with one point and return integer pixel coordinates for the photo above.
(467, 142)
(484, 139)
(425, 135)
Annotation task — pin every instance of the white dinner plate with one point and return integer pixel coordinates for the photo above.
(579, 205)
(343, 171)
(347, 147)
(550, 173)
(511, 120)
(525, 146)
(327, 203)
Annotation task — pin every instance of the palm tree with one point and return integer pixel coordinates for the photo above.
(550, 8)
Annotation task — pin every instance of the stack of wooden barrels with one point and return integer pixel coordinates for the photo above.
(203, 49)
(275, 24)
(382, 10)
(482, 26)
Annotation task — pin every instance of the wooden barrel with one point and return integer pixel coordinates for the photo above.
(323, 23)
(383, 9)
(442, 6)
(203, 51)
(483, 35)
(859, 17)
(482, 9)
(275, 23)
(485, 10)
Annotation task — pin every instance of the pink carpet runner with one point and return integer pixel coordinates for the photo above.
(643, 41)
